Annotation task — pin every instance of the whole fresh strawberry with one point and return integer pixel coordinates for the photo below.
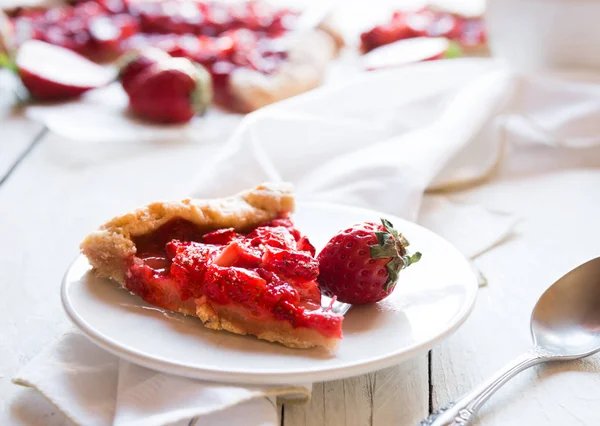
(171, 91)
(132, 63)
(361, 264)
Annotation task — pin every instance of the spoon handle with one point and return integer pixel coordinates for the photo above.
(461, 412)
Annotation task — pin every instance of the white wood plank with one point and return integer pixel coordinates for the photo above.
(393, 396)
(16, 132)
(47, 206)
(559, 231)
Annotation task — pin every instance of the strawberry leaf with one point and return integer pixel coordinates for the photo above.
(393, 267)
(7, 62)
(381, 237)
(381, 252)
(388, 226)
(403, 240)
(409, 260)
(454, 51)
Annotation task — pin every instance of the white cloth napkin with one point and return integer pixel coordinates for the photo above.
(94, 388)
(379, 141)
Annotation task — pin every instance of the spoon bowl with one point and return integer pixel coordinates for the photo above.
(566, 319)
(565, 325)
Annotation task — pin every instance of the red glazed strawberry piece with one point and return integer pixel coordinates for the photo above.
(239, 254)
(170, 92)
(329, 324)
(220, 236)
(361, 264)
(304, 244)
(308, 291)
(287, 310)
(273, 236)
(287, 223)
(154, 287)
(292, 264)
(189, 266)
(53, 73)
(134, 62)
(178, 267)
(224, 285)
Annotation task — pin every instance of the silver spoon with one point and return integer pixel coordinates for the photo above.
(565, 325)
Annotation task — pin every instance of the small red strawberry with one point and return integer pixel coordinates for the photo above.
(361, 264)
(132, 63)
(54, 73)
(171, 91)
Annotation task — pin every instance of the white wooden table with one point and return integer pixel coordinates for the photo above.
(52, 192)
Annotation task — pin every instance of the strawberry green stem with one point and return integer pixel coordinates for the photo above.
(392, 244)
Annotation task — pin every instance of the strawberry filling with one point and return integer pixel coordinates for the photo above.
(468, 32)
(222, 37)
(266, 274)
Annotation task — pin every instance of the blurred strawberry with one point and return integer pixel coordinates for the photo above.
(54, 73)
(106, 33)
(132, 63)
(171, 91)
(408, 51)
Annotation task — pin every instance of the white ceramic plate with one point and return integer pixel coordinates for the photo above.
(432, 298)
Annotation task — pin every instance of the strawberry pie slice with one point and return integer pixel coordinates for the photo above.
(237, 263)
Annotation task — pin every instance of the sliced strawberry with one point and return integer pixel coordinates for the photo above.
(308, 291)
(241, 254)
(52, 73)
(304, 244)
(286, 223)
(190, 265)
(407, 51)
(224, 267)
(220, 236)
(292, 264)
(276, 236)
(223, 284)
(328, 324)
(154, 287)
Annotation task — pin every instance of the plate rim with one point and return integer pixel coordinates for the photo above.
(335, 373)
